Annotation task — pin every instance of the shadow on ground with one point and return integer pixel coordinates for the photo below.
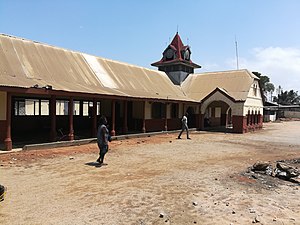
(95, 164)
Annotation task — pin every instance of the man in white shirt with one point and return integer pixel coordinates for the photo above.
(184, 126)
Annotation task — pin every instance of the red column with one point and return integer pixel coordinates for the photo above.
(53, 118)
(125, 126)
(71, 129)
(144, 119)
(94, 119)
(113, 117)
(166, 117)
(239, 124)
(7, 140)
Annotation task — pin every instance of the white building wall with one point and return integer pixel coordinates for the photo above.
(254, 100)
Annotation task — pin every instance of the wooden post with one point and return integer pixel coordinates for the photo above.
(125, 126)
(113, 117)
(53, 118)
(71, 128)
(144, 119)
(7, 140)
(94, 119)
(166, 116)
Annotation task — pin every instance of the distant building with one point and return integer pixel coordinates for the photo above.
(48, 92)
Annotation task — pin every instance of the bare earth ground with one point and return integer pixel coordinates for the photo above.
(196, 181)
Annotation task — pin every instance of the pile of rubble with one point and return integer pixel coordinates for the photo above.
(284, 169)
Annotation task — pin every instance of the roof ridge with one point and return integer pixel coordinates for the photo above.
(221, 71)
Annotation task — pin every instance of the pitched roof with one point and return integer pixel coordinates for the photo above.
(25, 63)
(178, 46)
(235, 83)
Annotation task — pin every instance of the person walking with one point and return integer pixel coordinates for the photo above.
(2, 192)
(184, 126)
(102, 139)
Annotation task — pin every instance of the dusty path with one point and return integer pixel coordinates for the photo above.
(194, 181)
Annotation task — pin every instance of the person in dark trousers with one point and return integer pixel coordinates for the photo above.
(103, 138)
(2, 192)
(184, 126)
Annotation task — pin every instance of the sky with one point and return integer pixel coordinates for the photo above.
(265, 33)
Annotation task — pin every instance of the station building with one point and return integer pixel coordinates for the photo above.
(52, 94)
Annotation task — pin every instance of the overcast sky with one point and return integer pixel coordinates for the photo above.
(137, 31)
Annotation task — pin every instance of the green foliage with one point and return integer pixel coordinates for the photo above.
(287, 98)
(265, 84)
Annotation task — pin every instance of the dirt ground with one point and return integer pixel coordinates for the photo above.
(155, 180)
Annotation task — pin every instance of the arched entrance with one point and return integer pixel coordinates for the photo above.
(218, 116)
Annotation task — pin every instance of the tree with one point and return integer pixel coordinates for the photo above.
(287, 97)
(265, 84)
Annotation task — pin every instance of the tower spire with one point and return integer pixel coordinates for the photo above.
(176, 61)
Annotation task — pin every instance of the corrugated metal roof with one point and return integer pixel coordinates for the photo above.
(236, 83)
(25, 63)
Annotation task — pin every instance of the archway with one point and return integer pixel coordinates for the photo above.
(218, 117)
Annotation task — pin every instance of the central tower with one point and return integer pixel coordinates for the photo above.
(176, 61)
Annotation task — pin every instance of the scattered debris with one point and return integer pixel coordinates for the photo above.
(283, 169)
(252, 211)
(256, 220)
(286, 171)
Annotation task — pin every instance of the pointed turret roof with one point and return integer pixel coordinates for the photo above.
(178, 45)
(179, 48)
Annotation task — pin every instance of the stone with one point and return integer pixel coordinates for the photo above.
(260, 166)
(195, 203)
(252, 211)
(71, 157)
(290, 171)
(161, 215)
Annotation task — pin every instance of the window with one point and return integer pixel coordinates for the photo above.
(62, 107)
(20, 107)
(76, 108)
(158, 110)
(98, 108)
(31, 107)
(255, 89)
(87, 108)
(44, 107)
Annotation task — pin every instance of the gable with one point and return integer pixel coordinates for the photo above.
(236, 83)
